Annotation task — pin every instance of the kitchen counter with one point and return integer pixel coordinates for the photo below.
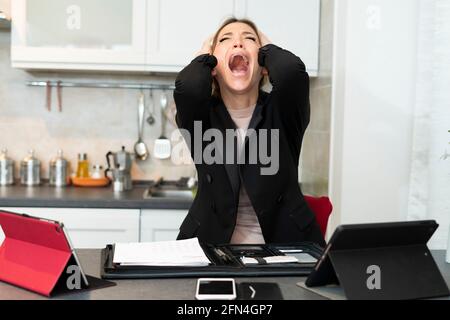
(78, 197)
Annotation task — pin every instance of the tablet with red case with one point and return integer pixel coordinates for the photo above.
(35, 252)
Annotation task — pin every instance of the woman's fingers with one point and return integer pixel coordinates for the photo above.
(206, 47)
(210, 39)
(264, 39)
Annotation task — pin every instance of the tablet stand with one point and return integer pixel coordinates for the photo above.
(381, 262)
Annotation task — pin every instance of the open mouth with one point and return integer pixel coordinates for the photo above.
(238, 64)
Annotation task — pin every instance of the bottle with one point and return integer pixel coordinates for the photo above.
(83, 166)
(97, 172)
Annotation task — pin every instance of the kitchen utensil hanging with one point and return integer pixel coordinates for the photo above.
(48, 92)
(162, 148)
(151, 109)
(48, 98)
(140, 148)
(59, 95)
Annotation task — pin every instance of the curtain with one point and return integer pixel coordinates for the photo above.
(429, 194)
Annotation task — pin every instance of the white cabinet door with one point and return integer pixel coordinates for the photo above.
(148, 35)
(161, 225)
(176, 30)
(78, 34)
(91, 228)
(291, 24)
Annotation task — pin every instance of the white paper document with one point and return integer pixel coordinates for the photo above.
(269, 260)
(163, 253)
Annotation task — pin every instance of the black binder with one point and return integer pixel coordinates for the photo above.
(227, 265)
(381, 261)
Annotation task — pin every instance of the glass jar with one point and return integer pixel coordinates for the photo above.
(83, 166)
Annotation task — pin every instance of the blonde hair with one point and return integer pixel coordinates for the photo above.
(215, 86)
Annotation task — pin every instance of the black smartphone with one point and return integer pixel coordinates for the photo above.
(215, 289)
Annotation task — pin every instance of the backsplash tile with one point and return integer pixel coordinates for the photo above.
(92, 120)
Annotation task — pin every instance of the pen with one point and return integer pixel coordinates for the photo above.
(221, 254)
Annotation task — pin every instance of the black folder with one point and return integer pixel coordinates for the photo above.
(228, 264)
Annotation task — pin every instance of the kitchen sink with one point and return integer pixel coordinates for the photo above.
(168, 190)
(185, 194)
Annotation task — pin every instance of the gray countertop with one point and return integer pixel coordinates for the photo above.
(79, 197)
(173, 289)
(148, 289)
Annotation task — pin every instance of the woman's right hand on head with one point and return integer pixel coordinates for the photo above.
(206, 47)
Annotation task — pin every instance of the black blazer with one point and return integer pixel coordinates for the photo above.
(277, 199)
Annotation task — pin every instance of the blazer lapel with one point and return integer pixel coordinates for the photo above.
(220, 119)
(257, 113)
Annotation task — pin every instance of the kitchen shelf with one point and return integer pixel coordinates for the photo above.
(108, 85)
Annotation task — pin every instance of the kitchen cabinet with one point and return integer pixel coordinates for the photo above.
(161, 225)
(78, 34)
(91, 228)
(290, 24)
(95, 228)
(173, 37)
(148, 35)
(176, 30)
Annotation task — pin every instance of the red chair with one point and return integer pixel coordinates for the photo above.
(322, 208)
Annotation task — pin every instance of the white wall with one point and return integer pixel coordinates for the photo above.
(315, 155)
(372, 109)
(390, 113)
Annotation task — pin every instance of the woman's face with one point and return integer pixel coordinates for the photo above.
(237, 58)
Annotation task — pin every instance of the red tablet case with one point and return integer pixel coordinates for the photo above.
(34, 254)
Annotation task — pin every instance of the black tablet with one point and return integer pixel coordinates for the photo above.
(381, 261)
